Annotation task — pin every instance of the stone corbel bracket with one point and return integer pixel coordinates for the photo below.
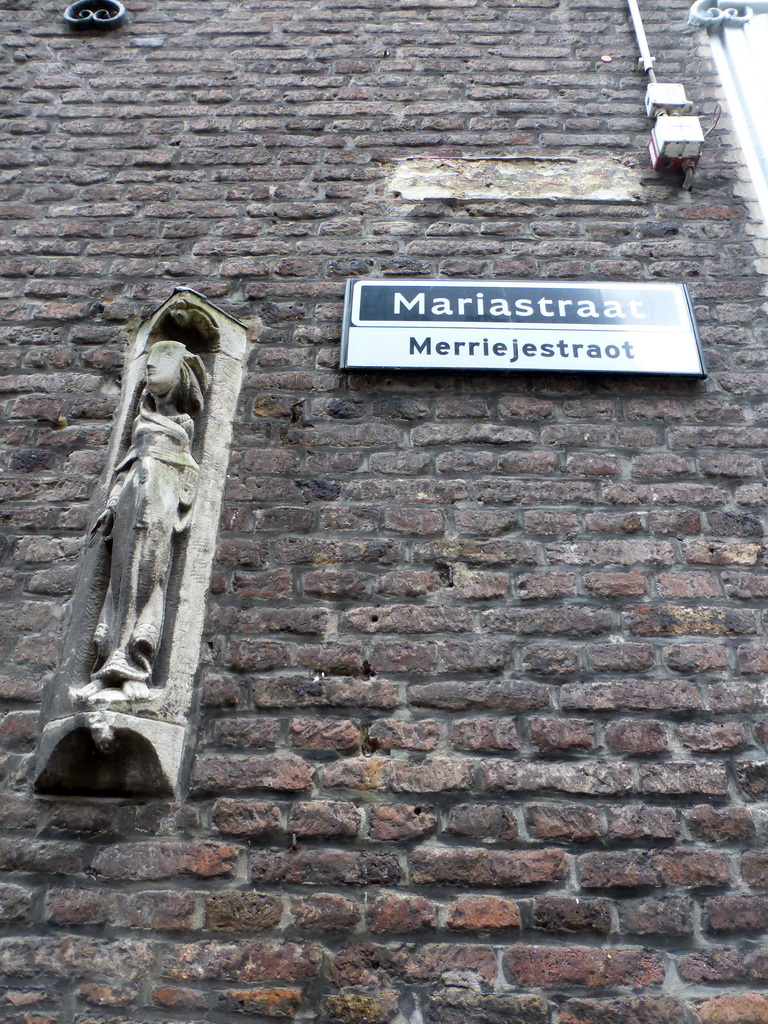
(109, 745)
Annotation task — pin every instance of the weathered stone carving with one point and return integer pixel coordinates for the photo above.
(117, 711)
(150, 503)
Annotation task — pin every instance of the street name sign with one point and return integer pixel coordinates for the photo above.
(544, 326)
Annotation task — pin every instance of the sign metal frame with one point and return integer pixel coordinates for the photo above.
(526, 338)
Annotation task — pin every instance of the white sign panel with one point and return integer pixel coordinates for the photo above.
(520, 325)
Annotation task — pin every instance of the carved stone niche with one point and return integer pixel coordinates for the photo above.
(117, 710)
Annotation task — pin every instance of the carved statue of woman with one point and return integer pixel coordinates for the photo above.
(149, 504)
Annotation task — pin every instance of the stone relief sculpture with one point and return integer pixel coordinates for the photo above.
(116, 712)
(149, 505)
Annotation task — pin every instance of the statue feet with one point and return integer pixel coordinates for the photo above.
(93, 695)
(117, 670)
(118, 680)
(136, 691)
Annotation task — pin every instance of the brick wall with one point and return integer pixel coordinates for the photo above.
(483, 730)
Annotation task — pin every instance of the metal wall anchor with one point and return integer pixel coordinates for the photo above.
(100, 14)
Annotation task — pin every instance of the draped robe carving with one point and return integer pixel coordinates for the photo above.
(149, 504)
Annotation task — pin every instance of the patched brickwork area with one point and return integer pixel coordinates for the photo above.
(482, 728)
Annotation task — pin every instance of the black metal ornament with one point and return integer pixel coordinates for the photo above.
(99, 14)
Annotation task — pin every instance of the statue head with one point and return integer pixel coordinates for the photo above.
(172, 368)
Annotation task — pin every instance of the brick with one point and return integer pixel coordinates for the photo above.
(158, 911)
(270, 1002)
(147, 861)
(286, 773)
(574, 622)
(80, 907)
(752, 657)
(535, 586)
(351, 1007)
(643, 822)
(636, 1010)
(431, 961)
(342, 735)
(15, 903)
(722, 552)
(562, 777)
(616, 584)
(246, 817)
(737, 913)
(324, 912)
(486, 867)
(664, 523)
(404, 583)
(170, 998)
(456, 1005)
(483, 821)
(669, 916)
(470, 584)
(672, 620)
(386, 734)
(502, 695)
(243, 961)
(692, 867)
(609, 870)
(400, 914)
(435, 776)
(556, 734)
(614, 522)
(562, 915)
(553, 821)
(612, 552)
(686, 584)
(58, 858)
(325, 866)
(631, 695)
(744, 585)
(242, 911)
(473, 734)
(719, 824)
(713, 737)
(683, 777)
(687, 658)
(631, 737)
(715, 965)
(75, 957)
(545, 967)
(406, 619)
(752, 777)
(754, 866)
(358, 773)
(483, 913)
(740, 1008)
(401, 821)
(324, 818)
(551, 659)
(296, 692)
(332, 583)
(546, 522)
(106, 995)
(257, 733)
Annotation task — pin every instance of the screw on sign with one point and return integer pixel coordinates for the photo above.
(99, 14)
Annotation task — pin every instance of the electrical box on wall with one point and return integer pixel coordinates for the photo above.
(666, 98)
(676, 142)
